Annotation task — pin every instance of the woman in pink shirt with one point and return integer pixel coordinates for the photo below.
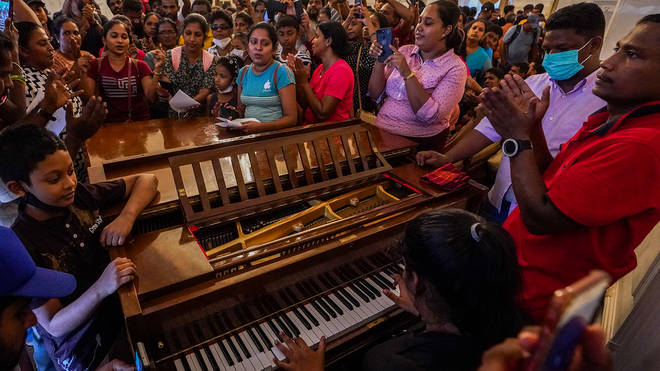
(329, 94)
(423, 82)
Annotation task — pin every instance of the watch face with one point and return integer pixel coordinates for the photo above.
(509, 147)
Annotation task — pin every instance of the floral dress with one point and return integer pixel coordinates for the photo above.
(189, 78)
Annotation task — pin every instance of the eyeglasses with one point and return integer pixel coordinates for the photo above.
(223, 26)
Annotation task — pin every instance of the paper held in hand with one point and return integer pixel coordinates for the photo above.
(182, 102)
(224, 123)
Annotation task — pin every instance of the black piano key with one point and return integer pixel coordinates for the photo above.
(340, 294)
(387, 279)
(209, 356)
(241, 344)
(327, 308)
(309, 315)
(263, 337)
(352, 286)
(225, 353)
(279, 318)
(233, 349)
(363, 285)
(252, 332)
(282, 326)
(320, 310)
(292, 326)
(378, 281)
(334, 305)
(200, 360)
(186, 366)
(275, 330)
(374, 290)
(290, 301)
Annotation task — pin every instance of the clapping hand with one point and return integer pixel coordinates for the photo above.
(56, 92)
(300, 71)
(513, 109)
(91, 119)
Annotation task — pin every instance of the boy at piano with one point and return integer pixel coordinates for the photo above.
(461, 278)
(61, 227)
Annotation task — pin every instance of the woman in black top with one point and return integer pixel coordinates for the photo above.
(461, 278)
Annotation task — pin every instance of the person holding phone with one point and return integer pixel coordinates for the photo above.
(421, 83)
(460, 278)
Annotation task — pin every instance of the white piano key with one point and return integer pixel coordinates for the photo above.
(348, 313)
(245, 362)
(259, 356)
(299, 325)
(278, 353)
(178, 365)
(192, 362)
(322, 322)
(237, 365)
(219, 357)
(207, 362)
(256, 363)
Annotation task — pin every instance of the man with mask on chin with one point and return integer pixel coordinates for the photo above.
(574, 36)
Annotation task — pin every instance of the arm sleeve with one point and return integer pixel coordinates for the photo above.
(509, 34)
(144, 69)
(445, 96)
(93, 68)
(284, 76)
(605, 178)
(339, 83)
(103, 194)
(487, 129)
(487, 65)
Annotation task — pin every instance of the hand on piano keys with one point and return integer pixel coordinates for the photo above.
(403, 299)
(296, 355)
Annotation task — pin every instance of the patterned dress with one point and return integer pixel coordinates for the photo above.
(362, 73)
(36, 82)
(189, 78)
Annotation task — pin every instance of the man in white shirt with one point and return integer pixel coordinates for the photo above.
(566, 87)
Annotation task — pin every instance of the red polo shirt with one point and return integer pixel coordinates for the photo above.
(606, 178)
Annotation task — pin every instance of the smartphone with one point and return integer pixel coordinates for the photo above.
(358, 3)
(6, 11)
(571, 310)
(384, 37)
(273, 7)
(299, 8)
(166, 85)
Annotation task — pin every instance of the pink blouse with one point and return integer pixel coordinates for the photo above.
(443, 78)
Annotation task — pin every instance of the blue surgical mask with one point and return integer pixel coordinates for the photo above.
(564, 65)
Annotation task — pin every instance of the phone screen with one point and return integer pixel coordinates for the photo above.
(5, 10)
(384, 36)
(299, 8)
(273, 7)
(571, 311)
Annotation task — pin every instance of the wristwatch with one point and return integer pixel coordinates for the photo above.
(45, 114)
(512, 147)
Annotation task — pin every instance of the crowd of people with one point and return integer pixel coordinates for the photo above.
(574, 191)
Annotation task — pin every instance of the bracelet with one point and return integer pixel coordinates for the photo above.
(19, 67)
(411, 74)
(18, 78)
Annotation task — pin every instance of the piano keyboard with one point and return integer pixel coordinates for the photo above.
(330, 304)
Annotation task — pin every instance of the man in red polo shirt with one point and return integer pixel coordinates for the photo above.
(592, 205)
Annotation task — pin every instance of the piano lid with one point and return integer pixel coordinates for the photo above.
(280, 169)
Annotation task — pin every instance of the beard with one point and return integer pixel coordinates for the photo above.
(313, 13)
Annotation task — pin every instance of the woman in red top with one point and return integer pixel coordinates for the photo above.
(329, 94)
(124, 83)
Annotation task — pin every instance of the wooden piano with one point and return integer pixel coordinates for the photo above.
(287, 232)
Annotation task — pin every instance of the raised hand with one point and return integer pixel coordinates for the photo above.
(90, 120)
(299, 355)
(159, 59)
(56, 93)
(509, 119)
(520, 93)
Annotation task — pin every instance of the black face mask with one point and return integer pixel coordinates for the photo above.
(31, 199)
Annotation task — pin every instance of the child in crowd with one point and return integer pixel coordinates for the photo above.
(239, 45)
(289, 43)
(224, 100)
(61, 227)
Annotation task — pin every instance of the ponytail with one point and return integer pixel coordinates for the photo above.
(470, 268)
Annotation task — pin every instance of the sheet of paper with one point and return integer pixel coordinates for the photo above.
(182, 102)
(233, 123)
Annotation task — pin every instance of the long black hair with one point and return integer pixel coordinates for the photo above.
(449, 13)
(334, 31)
(468, 268)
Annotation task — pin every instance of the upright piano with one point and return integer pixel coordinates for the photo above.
(292, 232)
